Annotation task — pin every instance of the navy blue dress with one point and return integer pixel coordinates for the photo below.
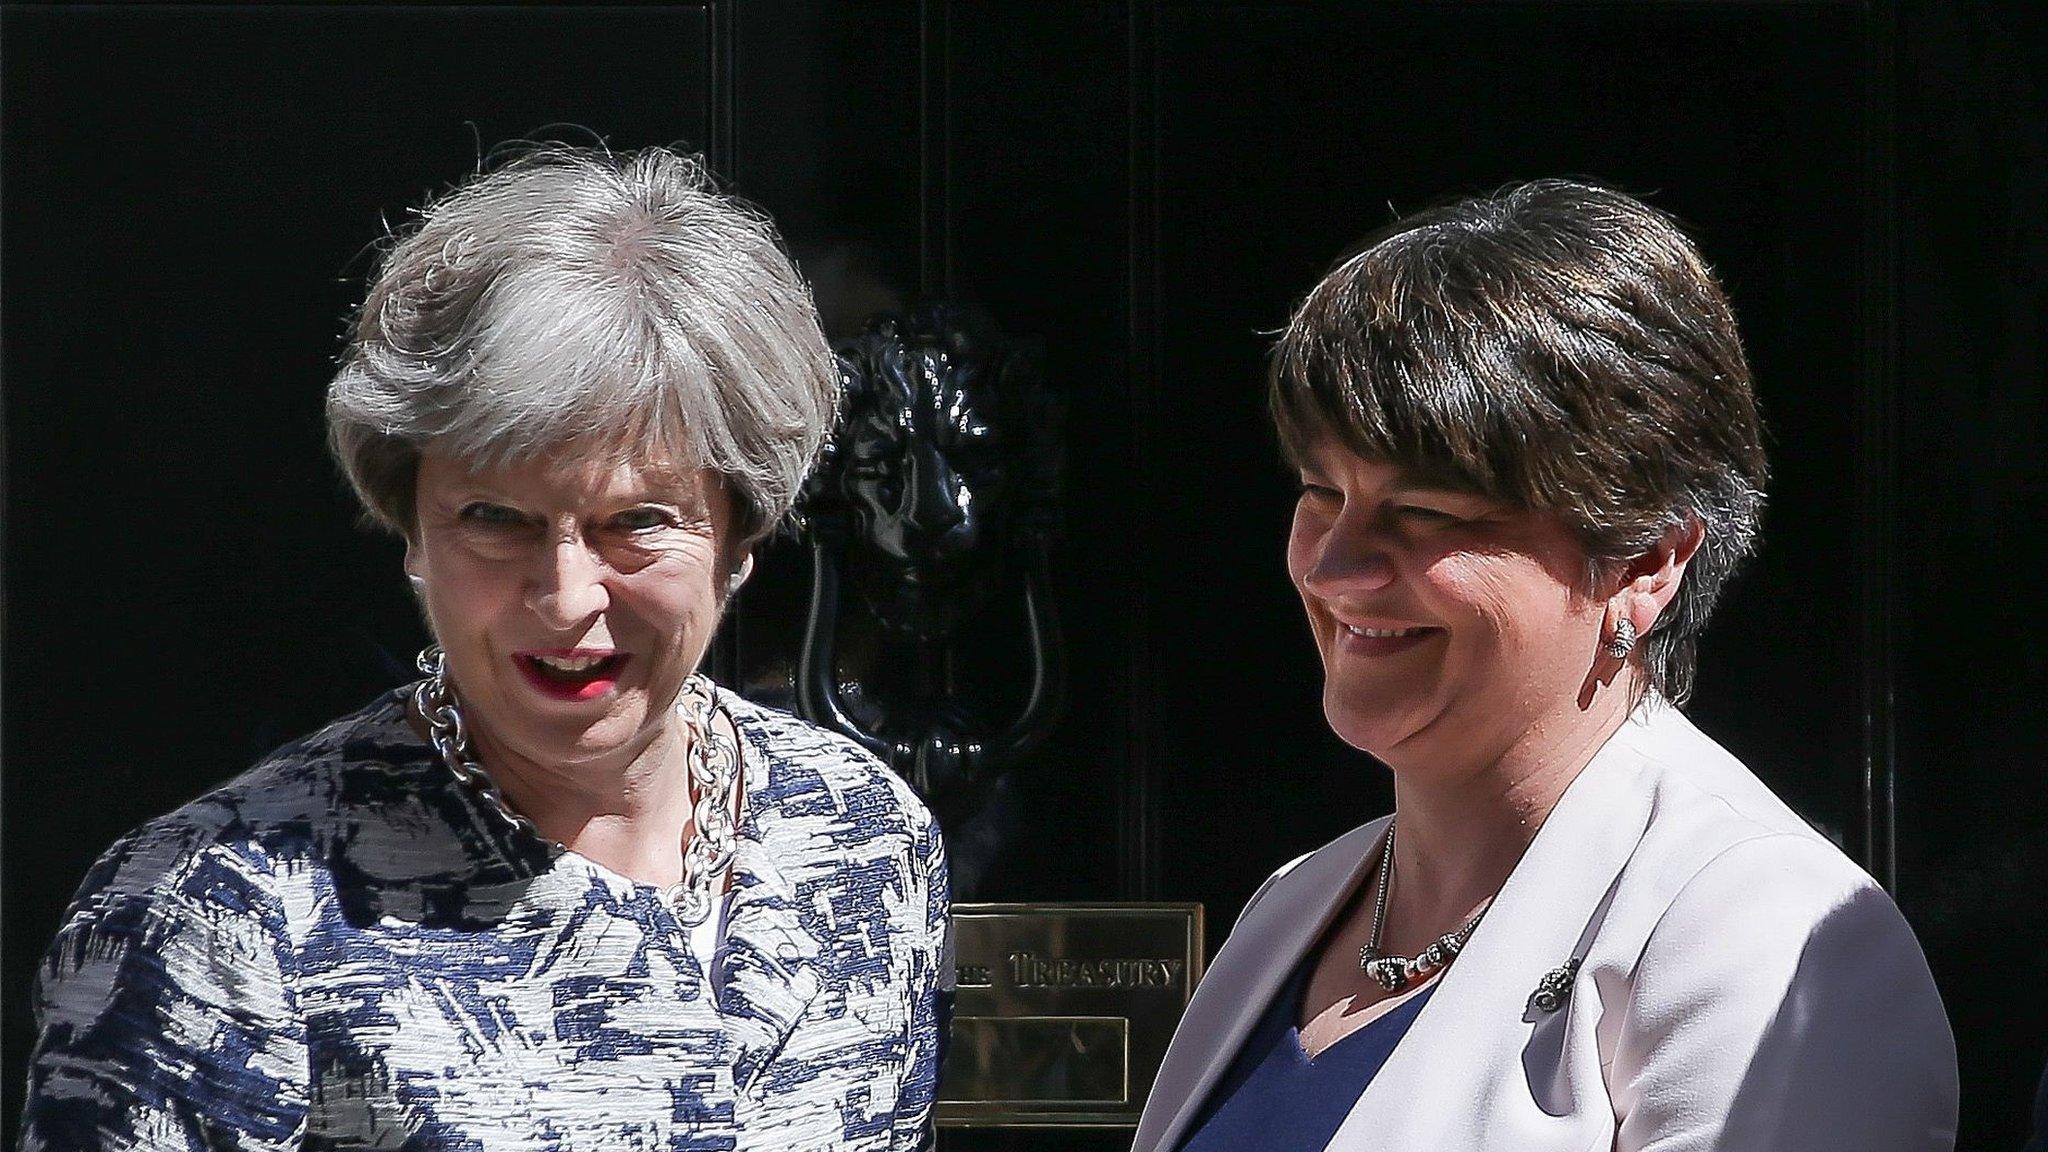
(1275, 1098)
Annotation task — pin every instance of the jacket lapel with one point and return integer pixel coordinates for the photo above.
(1267, 942)
(1460, 1070)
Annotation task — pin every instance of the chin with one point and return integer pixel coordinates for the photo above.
(1376, 728)
(601, 739)
(616, 732)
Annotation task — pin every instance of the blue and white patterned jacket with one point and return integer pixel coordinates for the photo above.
(342, 950)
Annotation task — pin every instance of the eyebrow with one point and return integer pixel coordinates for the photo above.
(649, 490)
(1405, 482)
(1425, 488)
(1439, 492)
(1407, 486)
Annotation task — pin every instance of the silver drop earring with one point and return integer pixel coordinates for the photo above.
(1623, 641)
(418, 582)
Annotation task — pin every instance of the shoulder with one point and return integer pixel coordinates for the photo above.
(168, 1000)
(1711, 822)
(269, 822)
(1754, 964)
(1779, 1001)
(192, 914)
(1722, 858)
(1769, 905)
(822, 782)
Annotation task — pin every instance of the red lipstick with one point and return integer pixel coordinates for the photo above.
(571, 673)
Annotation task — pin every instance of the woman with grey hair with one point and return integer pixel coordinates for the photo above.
(1529, 460)
(563, 892)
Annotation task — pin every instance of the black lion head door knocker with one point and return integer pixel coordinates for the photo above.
(935, 503)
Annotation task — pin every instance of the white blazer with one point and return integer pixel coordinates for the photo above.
(1742, 985)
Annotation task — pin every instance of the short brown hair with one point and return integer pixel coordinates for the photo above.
(1557, 346)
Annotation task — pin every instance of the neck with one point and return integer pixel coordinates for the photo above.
(631, 816)
(1463, 829)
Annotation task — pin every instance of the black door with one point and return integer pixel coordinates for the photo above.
(1141, 189)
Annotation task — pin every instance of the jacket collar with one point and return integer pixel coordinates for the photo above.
(1271, 938)
(768, 970)
(1542, 918)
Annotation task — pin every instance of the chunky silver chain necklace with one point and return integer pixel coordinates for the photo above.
(1397, 972)
(714, 779)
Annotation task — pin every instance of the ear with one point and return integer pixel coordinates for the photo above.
(739, 575)
(1650, 581)
(412, 566)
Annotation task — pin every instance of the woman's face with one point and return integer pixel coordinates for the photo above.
(573, 600)
(1449, 625)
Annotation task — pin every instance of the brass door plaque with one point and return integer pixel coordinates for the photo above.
(1064, 1010)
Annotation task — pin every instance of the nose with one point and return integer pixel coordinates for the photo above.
(568, 587)
(1350, 558)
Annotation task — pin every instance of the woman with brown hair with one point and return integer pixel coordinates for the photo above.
(1530, 459)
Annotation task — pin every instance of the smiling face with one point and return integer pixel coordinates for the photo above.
(573, 600)
(1449, 626)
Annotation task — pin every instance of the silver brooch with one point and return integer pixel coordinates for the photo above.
(1554, 987)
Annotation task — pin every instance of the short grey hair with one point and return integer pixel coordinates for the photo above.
(1559, 346)
(576, 297)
